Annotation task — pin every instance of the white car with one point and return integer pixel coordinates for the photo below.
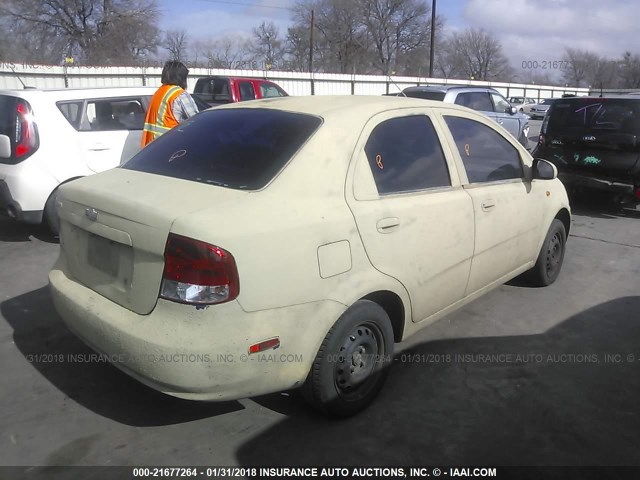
(291, 242)
(49, 137)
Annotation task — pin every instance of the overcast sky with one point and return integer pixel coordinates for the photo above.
(528, 29)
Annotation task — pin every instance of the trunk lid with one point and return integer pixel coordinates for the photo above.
(598, 136)
(114, 228)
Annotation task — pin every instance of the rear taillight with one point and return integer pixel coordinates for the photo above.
(541, 140)
(25, 132)
(638, 193)
(196, 272)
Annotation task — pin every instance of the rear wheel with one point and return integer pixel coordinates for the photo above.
(352, 363)
(549, 263)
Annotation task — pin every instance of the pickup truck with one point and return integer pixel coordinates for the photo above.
(217, 90)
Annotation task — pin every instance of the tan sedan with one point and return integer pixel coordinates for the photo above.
(291, 242)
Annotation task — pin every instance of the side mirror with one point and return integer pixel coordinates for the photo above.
(512, 110)
(5, 147)
(544, 170)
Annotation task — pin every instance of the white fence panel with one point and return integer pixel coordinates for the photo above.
(12, 76)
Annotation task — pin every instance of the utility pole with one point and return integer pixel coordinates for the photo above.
(311, 53)
(433, 37)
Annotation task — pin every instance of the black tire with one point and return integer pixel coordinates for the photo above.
(549, 263)
(353, 361)
(51, 215)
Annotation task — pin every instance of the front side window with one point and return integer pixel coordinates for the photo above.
(487, 155)
(478, 101)
(405, 155)
(239, 148)
(502, 106)
(269, 91)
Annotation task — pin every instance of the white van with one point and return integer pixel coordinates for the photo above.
(49, 137)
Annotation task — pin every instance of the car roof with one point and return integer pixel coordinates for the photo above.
(227, 77)
(78, 93)
(339, 106)
(446, 88)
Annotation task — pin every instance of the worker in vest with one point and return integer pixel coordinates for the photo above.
(170, 105)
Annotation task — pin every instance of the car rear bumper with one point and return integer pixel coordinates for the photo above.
(10, 207)
(197, 354)
(620, 187)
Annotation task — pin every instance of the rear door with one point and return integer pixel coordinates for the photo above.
(507, 210)
(415, 220)
(110, 130)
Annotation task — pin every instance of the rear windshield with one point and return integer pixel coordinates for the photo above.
(575, 117)
(439, 96)
(240, 148)
(213, 90)
(7, 115)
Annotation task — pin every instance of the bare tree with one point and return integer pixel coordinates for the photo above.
(578, 63)
(340, 41)
(91, 31)
(395, 29)
(229, 52)
(176, 42)
(474, 54)
(266, 45)
(629, 71)
(297, 48)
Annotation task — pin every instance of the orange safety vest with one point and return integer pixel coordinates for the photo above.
(160, 118)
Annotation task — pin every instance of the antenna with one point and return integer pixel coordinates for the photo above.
(396, 85)
(18, 77)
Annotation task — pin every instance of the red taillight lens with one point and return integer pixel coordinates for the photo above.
(26, 136)
(198, 272)
(541, 140)
(638, 193)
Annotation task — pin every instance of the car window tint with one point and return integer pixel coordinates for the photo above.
(72, 111)
(270, 91)
(501, 105)
(114, 114)
(427, 95)
(479, 101)
(236, 148)
(246, 91)
(405, 155)
(487, 155)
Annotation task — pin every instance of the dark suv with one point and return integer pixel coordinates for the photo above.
(595, 144)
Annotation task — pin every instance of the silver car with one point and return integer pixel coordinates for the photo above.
(482, 99)
(539, 110)
(523, 104)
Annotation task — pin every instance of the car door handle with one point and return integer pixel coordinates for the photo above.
(488, 205)
(388, 225)
(500, 122)
(99, 147)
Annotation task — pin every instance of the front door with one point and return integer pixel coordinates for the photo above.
(505, 209)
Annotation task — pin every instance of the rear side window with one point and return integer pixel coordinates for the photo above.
(238, 148)
(405, 155)
(479, 101)
(246, 91)
(72, 111)
(113, 114)
(487, 155)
